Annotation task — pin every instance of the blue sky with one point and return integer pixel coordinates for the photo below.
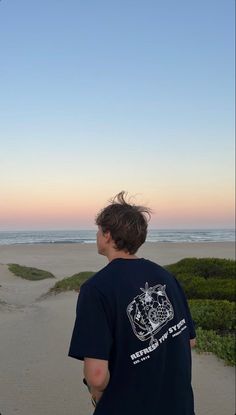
(103, 96)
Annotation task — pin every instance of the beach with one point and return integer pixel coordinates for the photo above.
(37, 377)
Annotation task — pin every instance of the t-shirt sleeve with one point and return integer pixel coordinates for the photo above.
(91, 336)
(191, 325)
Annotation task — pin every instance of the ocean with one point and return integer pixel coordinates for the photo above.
(89, 236)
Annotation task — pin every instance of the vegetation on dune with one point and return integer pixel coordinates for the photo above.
(221, 346)
(29, 273)
(210, 286)
(199, 287)
(213, 314)
(206, 278)
(72, 283)
(216, 268)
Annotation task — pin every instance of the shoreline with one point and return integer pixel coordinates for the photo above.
(94, 243)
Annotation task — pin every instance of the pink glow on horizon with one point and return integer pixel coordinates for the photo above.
(84, 218)
(66, 208)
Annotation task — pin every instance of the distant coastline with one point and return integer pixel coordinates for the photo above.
(89, 236)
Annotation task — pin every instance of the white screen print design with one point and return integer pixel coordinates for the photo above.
(149, 312)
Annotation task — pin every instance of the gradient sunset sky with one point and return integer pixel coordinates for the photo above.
(103, 96)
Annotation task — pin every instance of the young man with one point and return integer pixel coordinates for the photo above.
(133, 326)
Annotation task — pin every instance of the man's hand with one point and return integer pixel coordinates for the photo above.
(96, 395)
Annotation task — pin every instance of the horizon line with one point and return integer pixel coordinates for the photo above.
(94, 229)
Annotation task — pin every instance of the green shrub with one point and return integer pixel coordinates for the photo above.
(29, 273)
(206, 278)
(72, 283)
(222, 346)
(204, 267)
(213, 314)
(199, 287)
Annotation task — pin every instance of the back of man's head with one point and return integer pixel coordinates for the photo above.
(127, 223)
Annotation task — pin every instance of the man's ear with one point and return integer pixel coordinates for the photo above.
(107, 236)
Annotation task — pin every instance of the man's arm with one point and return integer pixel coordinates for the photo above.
(193, 342)
(97, 376)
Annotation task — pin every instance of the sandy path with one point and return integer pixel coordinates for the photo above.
(37, 377)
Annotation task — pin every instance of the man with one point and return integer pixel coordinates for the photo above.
(133, 326)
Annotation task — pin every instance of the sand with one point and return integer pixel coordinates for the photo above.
(37, 377)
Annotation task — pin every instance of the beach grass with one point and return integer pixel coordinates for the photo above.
(222, 346)
(210, 286)
(207, 268)
(72, 283)
(213, 314)
(206, 278)
(29, 273)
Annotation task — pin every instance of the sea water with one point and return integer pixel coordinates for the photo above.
(89, 236)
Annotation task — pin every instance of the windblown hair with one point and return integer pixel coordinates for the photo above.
(126, 222)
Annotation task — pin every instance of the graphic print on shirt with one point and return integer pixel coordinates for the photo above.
(149, 312)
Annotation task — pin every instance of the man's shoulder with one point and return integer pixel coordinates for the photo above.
(155, 266)
(96, 279)
(160, 272)
(115, 273)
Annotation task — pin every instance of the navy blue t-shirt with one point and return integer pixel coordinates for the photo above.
(134, 314)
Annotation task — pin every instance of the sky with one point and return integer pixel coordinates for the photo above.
(102, 96)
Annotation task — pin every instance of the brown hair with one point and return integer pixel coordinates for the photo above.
(126, 222)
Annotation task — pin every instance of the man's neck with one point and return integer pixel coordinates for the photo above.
(120, 254)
